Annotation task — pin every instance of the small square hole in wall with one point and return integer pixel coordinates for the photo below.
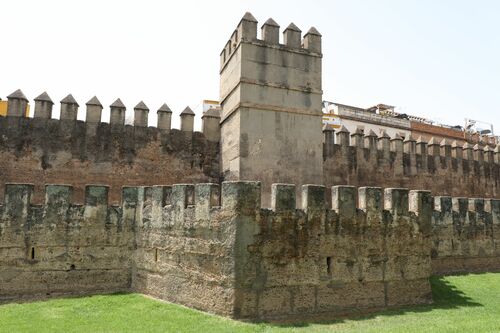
(329, 265)
(32, 253)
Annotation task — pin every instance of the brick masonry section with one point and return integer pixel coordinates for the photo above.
(48, 151)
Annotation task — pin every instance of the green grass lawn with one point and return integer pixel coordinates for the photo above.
(469, 303)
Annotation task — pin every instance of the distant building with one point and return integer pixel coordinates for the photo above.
(382, 118)
(354, 118)
(210, 104)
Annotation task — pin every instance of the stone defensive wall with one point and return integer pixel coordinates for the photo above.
(218, 250)
(42, 150)
(64, 248)
(444, 168)
(255, 247)
(313, 261)
(466, 235)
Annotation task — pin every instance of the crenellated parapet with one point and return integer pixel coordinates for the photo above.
(45, 150)
(376, 251)
(444, 167)
(244, 197)
(365, 248)
(58, 209)
(93, 114)
(246, 32)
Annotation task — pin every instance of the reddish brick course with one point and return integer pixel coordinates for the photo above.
(59, 152)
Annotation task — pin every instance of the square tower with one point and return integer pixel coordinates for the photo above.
(271, 100)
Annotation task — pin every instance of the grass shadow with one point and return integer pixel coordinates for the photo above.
(445, 296)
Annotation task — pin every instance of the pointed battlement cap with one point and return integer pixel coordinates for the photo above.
(187, 120)
(69, 100)
(212, 113)
(141, 106)
(164, 108)
(44, 97)
(497, 149)
(454, 144)
(313, 31)
(384, 135)
(477, 147)
(292, 27)
(246, 30)
(248, 17)
(18, 94)
(487, 148)
(312, 40)
(94, 101)
(370, 134)
(271, 31)
(118, 104)
(358, 131)
(397, 137)
(466, 146)
(187, 111)
(271, 23)
(291, 36)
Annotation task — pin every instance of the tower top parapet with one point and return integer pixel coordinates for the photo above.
(246, 32)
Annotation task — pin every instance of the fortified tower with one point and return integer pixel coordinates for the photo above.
(271, 105)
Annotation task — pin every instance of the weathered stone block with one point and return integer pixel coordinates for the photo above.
(283, 197)
(371, 202)
(396, 201)
(206, 197)
(313, 198)
(443, 204)
(57, 202)
(17, 202)
(241, 197)
(344, 201)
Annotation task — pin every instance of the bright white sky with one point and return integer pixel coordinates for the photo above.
(437, 59)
